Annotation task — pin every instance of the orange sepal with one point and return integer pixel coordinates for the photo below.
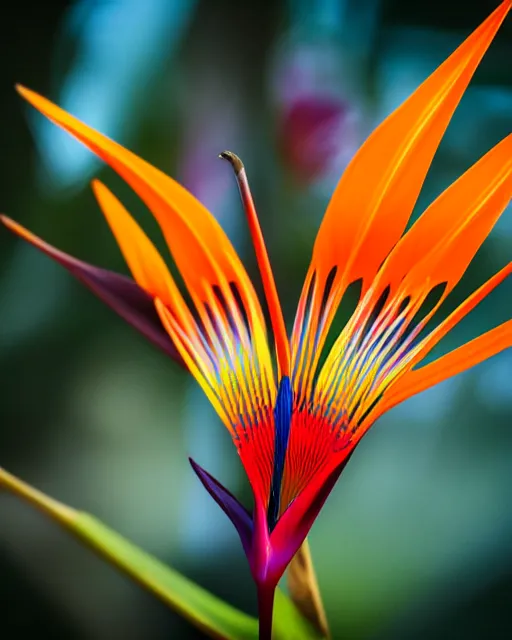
(232, 333)
(375, 196)
(443, 241)
(199, 246)
(144, 261)
(454, 362)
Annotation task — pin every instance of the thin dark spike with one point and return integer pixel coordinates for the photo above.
(282, 422)
(236, 163)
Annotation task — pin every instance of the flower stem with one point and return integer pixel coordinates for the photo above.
(265, 610)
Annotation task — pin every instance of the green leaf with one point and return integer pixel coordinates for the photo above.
(212, 615)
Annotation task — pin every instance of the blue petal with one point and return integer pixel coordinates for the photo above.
(282, 421)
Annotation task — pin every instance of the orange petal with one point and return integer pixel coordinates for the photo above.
(437, 334)
(144, 261)
(173, 329)
(461, 359)
(456, 224)
(200, 248)
(230, 343)
(443, 241)
(243, 403)
(375, 196)
(179, 214)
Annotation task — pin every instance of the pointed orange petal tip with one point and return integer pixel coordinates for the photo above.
(26, 93)
(103, 195)
(39, 102)
(97, 186)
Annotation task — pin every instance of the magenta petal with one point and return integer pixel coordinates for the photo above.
(130, 301)
(120, 293)
(236, 512)
(294, 525)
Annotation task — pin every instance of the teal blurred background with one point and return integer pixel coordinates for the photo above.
(415, 541)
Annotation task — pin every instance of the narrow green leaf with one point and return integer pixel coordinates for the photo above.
(214, 616)
(203, 609)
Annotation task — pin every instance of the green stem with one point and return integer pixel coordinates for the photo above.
(64, 515)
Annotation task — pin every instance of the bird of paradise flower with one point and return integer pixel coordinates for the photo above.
(296, 425)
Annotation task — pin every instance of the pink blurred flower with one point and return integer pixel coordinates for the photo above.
(319, 115)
